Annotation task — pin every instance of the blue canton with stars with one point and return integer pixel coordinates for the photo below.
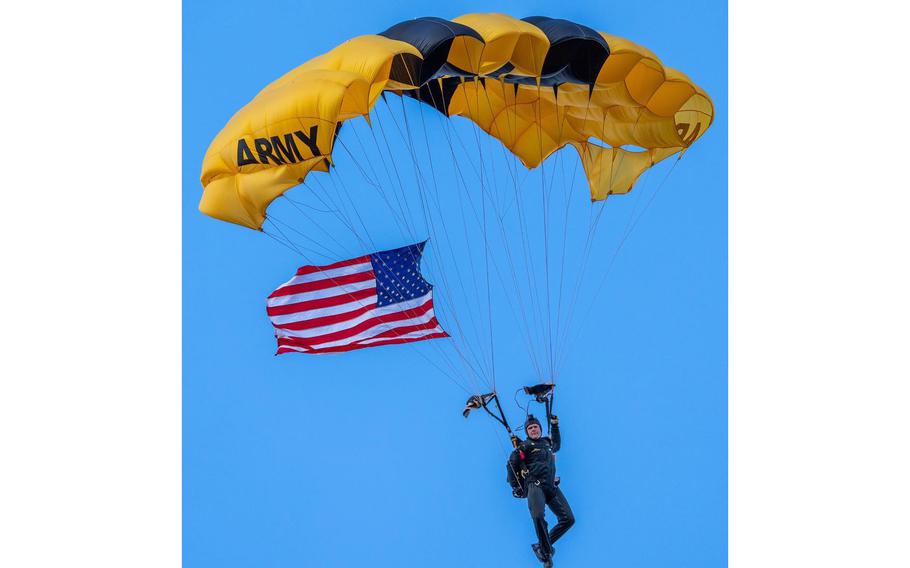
(398, 275)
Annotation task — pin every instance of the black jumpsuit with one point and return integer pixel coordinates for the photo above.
(537, 458)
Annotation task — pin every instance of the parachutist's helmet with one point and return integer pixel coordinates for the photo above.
(531, 420)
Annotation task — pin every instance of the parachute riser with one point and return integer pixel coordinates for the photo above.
(505, 423)
(483, 401)
(548, 403)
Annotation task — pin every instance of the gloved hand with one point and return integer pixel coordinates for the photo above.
(518, 493)
(554, 420)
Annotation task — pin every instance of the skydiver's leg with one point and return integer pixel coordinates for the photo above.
(564, 517)
(536, 504)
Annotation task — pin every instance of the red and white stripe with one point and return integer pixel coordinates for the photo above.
(333, 308)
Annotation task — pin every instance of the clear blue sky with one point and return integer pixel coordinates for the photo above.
(364, 458)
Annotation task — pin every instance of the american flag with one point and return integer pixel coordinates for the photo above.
(377, 299)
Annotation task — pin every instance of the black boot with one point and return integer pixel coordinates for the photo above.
(546, 560)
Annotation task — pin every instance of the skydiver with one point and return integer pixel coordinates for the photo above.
(532, 474)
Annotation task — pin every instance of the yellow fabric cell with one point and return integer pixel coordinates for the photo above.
(466, 54)
(508, 40)
(669, 97)
(643, 80)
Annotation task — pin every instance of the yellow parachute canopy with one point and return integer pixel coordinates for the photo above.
(536, 85)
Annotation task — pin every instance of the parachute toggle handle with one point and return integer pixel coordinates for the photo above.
(540, 392)
(543, 393)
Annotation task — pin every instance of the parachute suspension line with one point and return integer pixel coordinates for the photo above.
(623, 241)
(533, 282)
(469, 301)
(340, 213)
(560, 164)
(533, 301)
(449, 290)
(499, 217)
(388, 175)
(363, 172)
(344, 191)
(296, 205)
(441, 370)
(643, 212)
(388, 148)
(418, 173)
(346, 220)
(401, 186)
(341, 252)
(401, 224)
(590, 241)
(586, 254)
(482, 225)
(552, 249)
(442, 218)
(510, 158)
(559, 318)
(302, 204)
(593, 224)
(461, 178)
(449, 130)
(408, 222)
(641, 187)
(486, 243)
(461, 196)
(329, 255)
(295, 246)
(288, 244)
(443, 356)
(546, 231)
(487, 270)
(419, 178)
(562, 266)
(519, 308)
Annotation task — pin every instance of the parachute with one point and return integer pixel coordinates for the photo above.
(536, 87)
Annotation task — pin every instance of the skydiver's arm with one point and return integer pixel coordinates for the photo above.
(555, 438)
